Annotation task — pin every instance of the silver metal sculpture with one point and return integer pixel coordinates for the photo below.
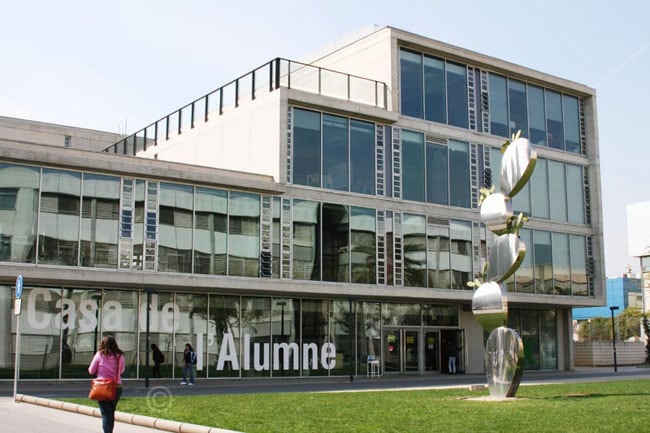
(504, 349)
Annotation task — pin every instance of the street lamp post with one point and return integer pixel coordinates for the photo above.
(612, 309)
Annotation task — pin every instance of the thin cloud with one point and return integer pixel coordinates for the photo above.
(623, 64)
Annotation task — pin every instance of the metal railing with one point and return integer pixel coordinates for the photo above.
(270, 76)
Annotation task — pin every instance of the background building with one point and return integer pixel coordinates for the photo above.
(638, 242)
(305, 219)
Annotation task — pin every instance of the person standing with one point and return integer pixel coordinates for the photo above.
(189, 359)
(108, 363)
(158, 358)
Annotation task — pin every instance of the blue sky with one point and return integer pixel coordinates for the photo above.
(119, 65)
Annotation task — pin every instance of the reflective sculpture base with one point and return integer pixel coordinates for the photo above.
(504, 355)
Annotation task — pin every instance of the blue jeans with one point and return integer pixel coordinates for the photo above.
(188, 369)
(107, 409)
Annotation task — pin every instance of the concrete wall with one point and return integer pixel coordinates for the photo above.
(246, 138)
(600, 353)
(475, 349)
(369, 57)
(28, 131)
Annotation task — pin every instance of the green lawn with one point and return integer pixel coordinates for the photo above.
(621, 406)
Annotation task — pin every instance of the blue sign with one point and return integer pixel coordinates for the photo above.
(19, 286)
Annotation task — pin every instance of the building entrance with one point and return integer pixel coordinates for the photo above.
(401, 350)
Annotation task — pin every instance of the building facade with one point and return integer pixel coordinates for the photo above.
(307, 219)
(624, 292)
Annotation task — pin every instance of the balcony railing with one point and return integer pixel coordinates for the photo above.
(270, 76)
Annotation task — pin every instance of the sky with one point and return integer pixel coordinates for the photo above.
(119, 65)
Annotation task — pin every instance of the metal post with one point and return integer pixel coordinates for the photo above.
(612, 309)
(352, 334)
(147, 343)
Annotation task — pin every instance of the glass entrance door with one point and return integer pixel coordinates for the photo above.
(401, 351)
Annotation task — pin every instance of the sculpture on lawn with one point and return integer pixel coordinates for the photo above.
(504, 348)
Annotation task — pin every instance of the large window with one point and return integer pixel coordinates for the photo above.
(457, 95)
(347, 147)
(413, 166)
(59, 217)
(415, 250)
(244, 234)
(363, 245)
(362, 161)
(461, 254)
(433, 89)
(335, 152)
(19, 191)
(99, 220)
(336, 231)
(210, 231)
(459, 176)
(306, 240)
(411, 84)
(437, 174)
(306, 147)
(175, 228)
(498, 105)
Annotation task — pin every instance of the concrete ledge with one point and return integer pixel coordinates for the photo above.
(140, 420)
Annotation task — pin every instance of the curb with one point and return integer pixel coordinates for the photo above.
(139, 420)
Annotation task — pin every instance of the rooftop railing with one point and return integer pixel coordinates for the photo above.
(270, 76)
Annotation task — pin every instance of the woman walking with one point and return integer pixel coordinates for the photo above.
(108, 363)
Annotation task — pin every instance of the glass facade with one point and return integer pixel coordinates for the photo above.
(233, 336)
(345, 146)
(437, 90)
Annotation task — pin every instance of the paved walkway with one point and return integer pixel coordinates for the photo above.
(45, 415)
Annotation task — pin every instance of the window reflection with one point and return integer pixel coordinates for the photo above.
(175, 228)
(539, 189)
(554, 124)
(575, 194)
(517, 107)
(363, 245)
(561, 264)
(578, 266)
(411, 84)
(438, 265)
(498, 105)
(18, 212)
(415, 250)
(99, 220)
(306, 147)
(459, 183)
(571, 123)
(536, 115)
(244, 235)
(59, 217)
(362, 157)
(341, 335)
(315, 332)
(543, 262)
(306, 240)
(413, 166)
(437, 174)
(210, 231)
(524, 274)
(191, 326)
(335, 152)
(457, 95)
(81, 329)
(557, 190)
(435, 86)
(223, 318)
(336, 226)
(368, 320)
(461, 254)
